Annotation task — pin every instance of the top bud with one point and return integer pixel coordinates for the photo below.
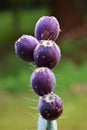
(47, 28)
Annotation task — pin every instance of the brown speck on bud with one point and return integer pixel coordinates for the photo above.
(51, 64)
(46, 111)
(54, 53)
(59, 109)
(43, 56)
(22, 52)
(48, 114)
(56, 108)
(36, 86)
(40, 76)
(37, 56)
(48, 50)
(48, 80)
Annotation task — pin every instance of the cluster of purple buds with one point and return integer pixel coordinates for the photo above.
(46, 54)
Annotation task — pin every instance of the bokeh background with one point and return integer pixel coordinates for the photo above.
(18, 103)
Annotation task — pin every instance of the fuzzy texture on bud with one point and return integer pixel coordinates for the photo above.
(47, 54)
(50, 106)
(24, 47)
(47, 27)
(43, 80)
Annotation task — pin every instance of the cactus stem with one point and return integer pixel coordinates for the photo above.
(44, 124)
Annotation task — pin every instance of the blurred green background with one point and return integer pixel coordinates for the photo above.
(18, 103)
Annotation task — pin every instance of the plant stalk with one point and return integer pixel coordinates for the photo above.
(44, 124)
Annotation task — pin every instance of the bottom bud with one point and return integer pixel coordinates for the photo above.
(50, 106)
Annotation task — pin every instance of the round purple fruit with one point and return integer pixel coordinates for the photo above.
(47, 27)
(24, 47)
(50, 106)
(43, 80)
(47, 54)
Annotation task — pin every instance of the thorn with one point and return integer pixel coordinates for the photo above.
(62, 117)
(32, 115)
(37, 114)
(33, 108)
(33, 66)
(60, 30)
(31, 90)
(31, 99)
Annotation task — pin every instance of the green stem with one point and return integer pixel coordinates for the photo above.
(52, 125)
(46, 125)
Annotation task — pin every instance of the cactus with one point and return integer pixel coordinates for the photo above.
(43, 80)
(46, 54)
(44, 124)
(47, 28)
(50, 106)
(25, 46)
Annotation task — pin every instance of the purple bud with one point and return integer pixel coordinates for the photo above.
(47, 28)
(43, 80)
(50, 106)
(47, 54)
(24, 47)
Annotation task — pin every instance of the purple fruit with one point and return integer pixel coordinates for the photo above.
(47, 27)
(43, 80)
(50, 106)
(47, 54)
(24, 47)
